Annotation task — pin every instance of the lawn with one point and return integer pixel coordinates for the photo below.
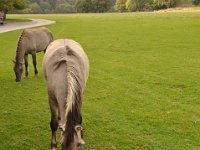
(143, 90)
(13, 20)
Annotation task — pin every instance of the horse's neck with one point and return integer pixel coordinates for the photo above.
(20, 54)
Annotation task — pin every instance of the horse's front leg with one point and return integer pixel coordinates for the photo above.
(26, 65)
(53, 123)
(35, 63)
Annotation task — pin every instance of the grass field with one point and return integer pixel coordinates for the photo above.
(143, 90)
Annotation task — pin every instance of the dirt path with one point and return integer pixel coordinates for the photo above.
(21, 25)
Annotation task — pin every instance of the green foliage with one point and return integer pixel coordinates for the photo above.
(196, 2)
(80, 5)
(162, 4)
(135, 5)
(83, 6)
(120, 5)
(100, 5)
(19, 4)
(35, 8)
(86, 6)
(50, 6)
(45, 6)
(7, 5)
(65, 8)
(130, 5)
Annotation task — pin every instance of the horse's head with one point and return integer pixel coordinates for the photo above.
(72, 139)
(18, 68)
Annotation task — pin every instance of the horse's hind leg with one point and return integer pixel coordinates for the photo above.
(35, 63)
(53, 123)
(26, 64)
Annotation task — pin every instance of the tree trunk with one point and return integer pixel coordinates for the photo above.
(5, 13)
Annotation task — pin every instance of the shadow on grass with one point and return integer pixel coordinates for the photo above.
(9, 20)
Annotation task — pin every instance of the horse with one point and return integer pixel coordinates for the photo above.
(31, 41)
(66, 69)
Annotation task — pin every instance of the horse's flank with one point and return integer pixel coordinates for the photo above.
(66, 68)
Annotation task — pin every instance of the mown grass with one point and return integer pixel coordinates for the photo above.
(142, 93)
(13, 20)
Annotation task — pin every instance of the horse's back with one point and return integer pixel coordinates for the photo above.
(37, 39)
(59, 57)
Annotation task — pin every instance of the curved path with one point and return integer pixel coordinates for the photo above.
(21, 25)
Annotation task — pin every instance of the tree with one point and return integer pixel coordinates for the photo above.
(6, 5)
(120, 5)
(130, 5)
(100, 5)
(163, 4)
(35, 8)
(135, 5)
(53, 3)
(196, 2)
(45, 6)
(84, 6)
(65, 8)
(79, 5)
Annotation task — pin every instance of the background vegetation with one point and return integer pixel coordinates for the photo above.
(94, 6)
(143, 90)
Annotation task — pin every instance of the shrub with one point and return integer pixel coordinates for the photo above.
(120, 5)
(135, 5)
(196, 2)
(65, 8)
(35, 8)
(162, 4)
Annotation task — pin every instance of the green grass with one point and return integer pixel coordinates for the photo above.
(143, 90)
(13, 20)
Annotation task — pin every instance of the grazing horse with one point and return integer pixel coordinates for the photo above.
(66, 68)
(30, 41)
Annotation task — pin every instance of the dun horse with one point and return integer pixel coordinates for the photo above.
(30, 41)
(66, 69)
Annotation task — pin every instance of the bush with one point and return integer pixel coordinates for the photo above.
(100, 5)
(120, 5)
(83, 6)
(45, 6)
(135, 5)
(196, 2)
(65, 8)
(35, 8)
(112, 9)
(162, 4)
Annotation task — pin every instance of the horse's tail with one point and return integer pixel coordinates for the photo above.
(74, 90)
(73, 100)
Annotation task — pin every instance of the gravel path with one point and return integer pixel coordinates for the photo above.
(21, 25)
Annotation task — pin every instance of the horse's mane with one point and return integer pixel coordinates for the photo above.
(19, 47)
(74, 100)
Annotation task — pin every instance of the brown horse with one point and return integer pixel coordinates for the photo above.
(30, 41)
(66, 69)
